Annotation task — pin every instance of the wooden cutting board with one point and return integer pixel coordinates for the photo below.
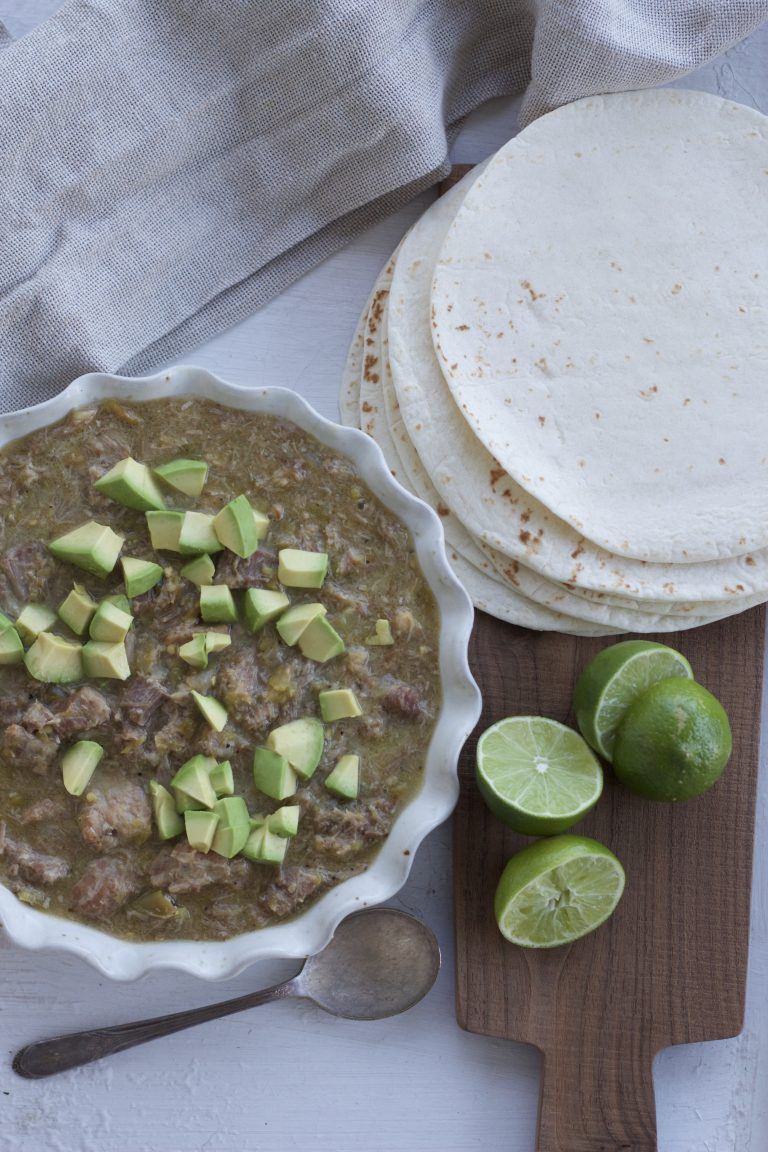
(669, 967)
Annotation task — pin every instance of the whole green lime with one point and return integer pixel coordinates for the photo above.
(673, 741)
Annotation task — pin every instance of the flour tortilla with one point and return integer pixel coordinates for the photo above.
(485, 497)
(530, 592)
(474, 570)
(600, 318)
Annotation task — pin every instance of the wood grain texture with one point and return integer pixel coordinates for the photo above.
(669, 967)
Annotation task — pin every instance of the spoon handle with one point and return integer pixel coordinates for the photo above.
(47, 1057)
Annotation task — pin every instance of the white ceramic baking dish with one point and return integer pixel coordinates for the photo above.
(311, 930)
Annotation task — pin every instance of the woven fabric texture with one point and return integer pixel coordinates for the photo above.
(168, 166)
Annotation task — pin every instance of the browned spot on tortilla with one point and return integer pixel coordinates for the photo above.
(499, 335)
(525, 516)
(496, 475)
(668, 588)
(676, 288)
(648, 392)
(534, 295)
(616, 266)
(648, 340)
(454, 367)
(418, 426)
(749, 560)
(462, 327)
(449, 308)
(721, 460)
(525, 536)
(686, 402)
(366, 407)
(578, 550)
(633, 300)
(487, 256)
(542, 420)
(442, 510)
(541, 363)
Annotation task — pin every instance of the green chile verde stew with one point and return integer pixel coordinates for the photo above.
(290, 790)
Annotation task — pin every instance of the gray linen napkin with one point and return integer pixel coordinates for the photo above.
(167, 166)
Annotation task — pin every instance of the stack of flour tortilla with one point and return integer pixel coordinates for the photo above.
(567, 358)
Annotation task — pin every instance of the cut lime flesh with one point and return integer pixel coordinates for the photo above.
(537, 775)
(614, 680)
(556, 891)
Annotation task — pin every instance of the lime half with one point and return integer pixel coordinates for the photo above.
(536, 775)
(556, 891)
(615, 679)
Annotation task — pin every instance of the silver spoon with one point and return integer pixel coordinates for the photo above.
(379, 962)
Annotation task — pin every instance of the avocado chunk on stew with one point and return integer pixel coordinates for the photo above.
(117, 854)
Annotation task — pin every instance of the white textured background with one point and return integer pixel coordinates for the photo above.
(287, 1076)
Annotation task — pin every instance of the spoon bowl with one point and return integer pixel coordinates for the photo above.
(378, 964)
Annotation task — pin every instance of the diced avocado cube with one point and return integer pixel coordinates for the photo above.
(140, 575)
(187, 476)
(133, 485)
(121, 602)
(264, 847)
(105, 661)
(199, 571)
(34, 619)
(299, 569)
(211, 710)
(234, 826)
(110, 625)
(297, 619)
(217, 605)
(222, 779)
(285, 821)
(301, 742)
(197, 534)
(344, 780)
(262, 605)
(201, 829)
(339, 704)
(195, 652)
(52, 660)
(217, 641)
(273, 775)
(240, 527)
(93, 547)
(11, 647)
(164, 530)
(194, 778)
(382, 634)
(5, 622)
(77, 610)
(185, 803)
(320, 641)
(169, 822)
(78, 764)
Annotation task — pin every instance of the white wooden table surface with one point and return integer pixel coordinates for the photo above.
(288, 1076)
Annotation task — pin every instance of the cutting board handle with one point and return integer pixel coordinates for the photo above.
(597, 1097)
